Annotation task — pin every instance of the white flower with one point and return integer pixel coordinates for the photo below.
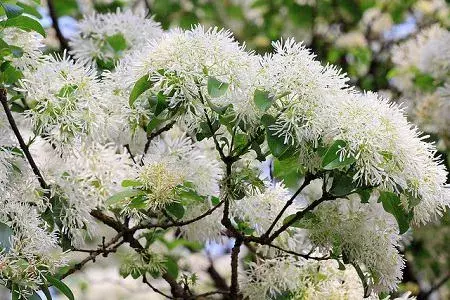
(174, 160)
(105, 38)
(82, 181)
(206, 229)
(428, 53)
(293, 71)
(33, 248)
(300, 279)
(260, 209)
(389, 152)
(319, 110)
(182, 61)
(30, 44)
(61, 94)
(364, 233)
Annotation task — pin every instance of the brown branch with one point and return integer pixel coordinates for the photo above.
(305, 256)
(105, 250)
(23, 145)
(111, 222)
(363, 280)
(219, 282)
(299, 215)
(145, 280)
(127, 147)
(153, 136)
(177, 224)
(306, 182)
(426, 294)
(234, 288)
(62, 40)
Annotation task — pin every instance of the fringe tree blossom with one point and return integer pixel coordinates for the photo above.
(60, 94)
(365, 234)
(103, 39)
(420, 65)
(299, 279)
(26, 47)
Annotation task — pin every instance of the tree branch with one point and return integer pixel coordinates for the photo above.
(145, 280)
(22, 144)
(305, 256)
(298, 216)
(62, 40)
(105, 250)
(306, 182)
(234, 288)
(177, 224)
(425, 295)
(153, 136)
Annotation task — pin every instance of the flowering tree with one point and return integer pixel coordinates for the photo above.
(163, 137)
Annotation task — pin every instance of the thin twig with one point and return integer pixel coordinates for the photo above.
(145, 280)
(127, 147)
(177, 224)
(305, 256)
(363, 280)
(62, 40)
(22, 143)
(299, 215)
(154, 135)
(105, 250)
(307, 181)
(425, 295)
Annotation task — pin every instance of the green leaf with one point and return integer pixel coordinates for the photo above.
(12, 10)
(216, 88)
(117, 42)
(61, 286)
(122, 195)
(176, 209)
(139, 202)
(424, 82)
(5, 234)
(35, 296)
(391, 204)
(131, 183)
(67, 90)
(216, 108)
(364, 195)
(10, 75)
(28, 9)
(289, 171)
(154, 123)
(159, 103)
(46, 292)
(140, 86)
(25, 23)
(267, 120)
(342, 185)
(15, 295)
(262, 100)
(276, 143)
(331, 159)
(16, 51)
(172, 267)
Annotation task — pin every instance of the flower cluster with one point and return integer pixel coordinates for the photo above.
(421, 75)
(61, 94)
(105, 38)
